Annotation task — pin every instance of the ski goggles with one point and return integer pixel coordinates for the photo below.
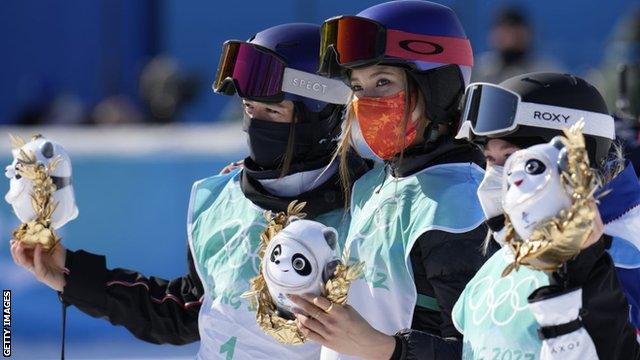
(259, 74)
(352, 41)
(493, 111)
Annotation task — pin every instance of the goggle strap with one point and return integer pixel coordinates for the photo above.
(555, 117)
(437, 49)
(315, 87)
(598, 124)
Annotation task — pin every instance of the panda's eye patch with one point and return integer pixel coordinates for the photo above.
(276, 252)
(534, 167)
(301, 264)
(18, 177)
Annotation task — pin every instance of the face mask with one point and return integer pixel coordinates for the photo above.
(381, 122)
(490, 191)
(268, 141)
(361, 146)
(512, 56)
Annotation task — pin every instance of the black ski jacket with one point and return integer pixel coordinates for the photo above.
(443, 263)
(162, 311)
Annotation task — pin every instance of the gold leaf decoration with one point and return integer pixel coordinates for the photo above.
(16, 141)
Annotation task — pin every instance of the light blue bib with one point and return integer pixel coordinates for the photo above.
(388, 216)
(224, 234)
(492, 312)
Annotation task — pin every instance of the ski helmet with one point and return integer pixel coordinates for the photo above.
(425, 38)
(279, 64)
(535, 108)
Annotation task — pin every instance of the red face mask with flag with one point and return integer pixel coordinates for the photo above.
(381, 121)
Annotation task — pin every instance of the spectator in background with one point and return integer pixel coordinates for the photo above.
(511, 38)
(41, 101)
(621, 67)
(619, 80)
(166, 88)
(116, 110)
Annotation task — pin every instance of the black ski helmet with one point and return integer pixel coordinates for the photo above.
(561, 90)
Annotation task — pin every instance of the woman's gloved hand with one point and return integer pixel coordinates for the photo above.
(558, 313)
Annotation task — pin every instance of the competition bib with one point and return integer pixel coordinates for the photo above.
(388, 215)
(224, 234)
(492, 312)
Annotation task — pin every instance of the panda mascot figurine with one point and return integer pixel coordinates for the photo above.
(549, 202)
(533, 188)
(299, 260)
(41, 151)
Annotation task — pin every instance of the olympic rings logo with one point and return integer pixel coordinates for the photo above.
(500, 299)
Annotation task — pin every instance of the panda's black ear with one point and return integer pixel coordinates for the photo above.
(563, 160)
(557, 143)
(47, 149)
(292, 219)
(331, 236)
(329, 270)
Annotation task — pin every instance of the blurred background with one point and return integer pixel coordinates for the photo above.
(125, 86)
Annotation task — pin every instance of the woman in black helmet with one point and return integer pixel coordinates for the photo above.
(492, 312)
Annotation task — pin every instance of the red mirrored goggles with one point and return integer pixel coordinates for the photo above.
(351, 42)
(259, 74)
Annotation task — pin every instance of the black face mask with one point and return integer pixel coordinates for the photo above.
(312, 140)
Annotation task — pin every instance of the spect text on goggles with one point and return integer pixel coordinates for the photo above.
(259, 74)
(314, 86)
(310, 85)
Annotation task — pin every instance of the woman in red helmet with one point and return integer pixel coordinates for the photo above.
(416, 222)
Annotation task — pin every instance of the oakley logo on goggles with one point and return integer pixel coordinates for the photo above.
(259, 74)
(490, 110)
(352, 41)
